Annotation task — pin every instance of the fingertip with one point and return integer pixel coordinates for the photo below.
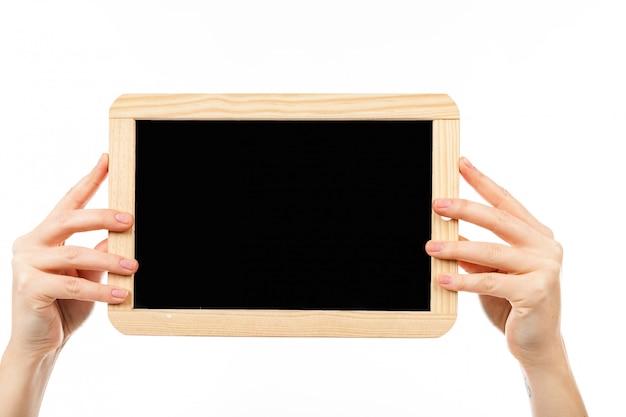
(103, 163)
(124, 218)
(445, 280)
(434, 246)
(118, 295)
(102, 246)
(464, 162)
(442, 203)
(129, 264)
(97, 174)
(466, 167)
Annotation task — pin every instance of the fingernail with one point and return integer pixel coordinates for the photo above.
(124, 218)
(443, 202)
(444, 279)
(467, 162)
(128, 263)
(119, 293)
(434, 246)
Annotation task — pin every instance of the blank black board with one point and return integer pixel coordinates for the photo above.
(283, 214)
(289, 215)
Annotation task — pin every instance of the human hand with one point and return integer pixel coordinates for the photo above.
(55, 285)
(518, 283)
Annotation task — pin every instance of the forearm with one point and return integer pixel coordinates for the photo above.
(552, 388)
(23, 380)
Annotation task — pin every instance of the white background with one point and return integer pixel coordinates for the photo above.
(541, 90)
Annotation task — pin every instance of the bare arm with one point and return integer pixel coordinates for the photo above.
(519, 287)
(54, 290)
(23, 380)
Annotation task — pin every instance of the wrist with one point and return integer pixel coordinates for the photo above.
(23, 379)
(554, 368)
(30, 357)
(551, 357)
(550, 383)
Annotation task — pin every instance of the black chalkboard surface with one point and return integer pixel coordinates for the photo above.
(284, 214)
(296, 215)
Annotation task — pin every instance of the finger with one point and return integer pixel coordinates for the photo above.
(494, 284)
(102, 246)
(80, 194)
(472, 268)
(499, 197)
(56, 287)
(64, 258)
(469, 267)
(490, 256)
(90, 274)
(61, 224)
(500, 222)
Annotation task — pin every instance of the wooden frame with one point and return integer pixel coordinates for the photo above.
(438, 108)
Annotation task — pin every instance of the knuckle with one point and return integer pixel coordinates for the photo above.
(504, 193)
(503, 215)
(554, 269)
(502, 196)
(557, 248)
(70, 253)
(489, 283)
(64, 218)
(17, 260)
(25, 276)
(17, 245)
(493, 251)
(552, 254)
(24, 282)
(539, 290)
(73, 286)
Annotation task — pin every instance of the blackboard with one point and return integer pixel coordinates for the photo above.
(292, 219)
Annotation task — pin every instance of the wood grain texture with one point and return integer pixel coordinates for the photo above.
(446, 154)
(284, 323)
(284, 106)
(122, 197)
